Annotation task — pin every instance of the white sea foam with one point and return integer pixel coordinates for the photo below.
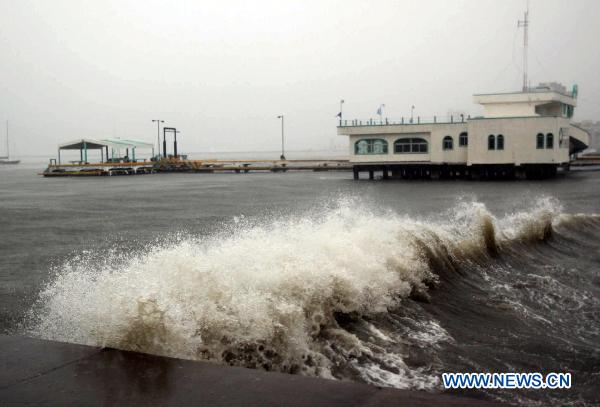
(266, 295)
(431, 333)
(397, 374)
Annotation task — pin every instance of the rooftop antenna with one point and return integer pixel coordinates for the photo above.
(525, 24)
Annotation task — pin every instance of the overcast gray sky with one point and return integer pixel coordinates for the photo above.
(221, 71)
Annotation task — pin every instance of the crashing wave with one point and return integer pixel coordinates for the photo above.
(271, 295)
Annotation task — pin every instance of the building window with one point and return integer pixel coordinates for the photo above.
(549, 140)
(448, 143)
(370, 146)
(491, 142)
(463, 139)
(500, 142)
(540, 140)
(410, 145)
(567, 111)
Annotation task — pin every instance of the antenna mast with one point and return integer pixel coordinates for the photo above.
(525, 24)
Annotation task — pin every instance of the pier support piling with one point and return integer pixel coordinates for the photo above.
(453, 171)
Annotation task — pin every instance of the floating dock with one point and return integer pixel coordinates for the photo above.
(199, 166)
(38, 372)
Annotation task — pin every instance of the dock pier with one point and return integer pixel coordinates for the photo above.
(170, 165)
(383, 171)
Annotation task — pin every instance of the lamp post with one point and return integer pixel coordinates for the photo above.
(282, 139)
(158, 122)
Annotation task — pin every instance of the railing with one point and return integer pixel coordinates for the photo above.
(404, 121)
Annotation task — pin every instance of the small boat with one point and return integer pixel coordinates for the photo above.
(6, 159)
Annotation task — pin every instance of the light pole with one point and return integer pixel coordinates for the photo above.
(282, 140)
(158, 122)
(341, 110)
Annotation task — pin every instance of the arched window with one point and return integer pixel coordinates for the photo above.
(463, 139)
(410, 145)
(540, 140)
(549, 140)
(370, 146)
(361, 147)
(500, 142)
(448, 143)
(491, 142)
(380, 147)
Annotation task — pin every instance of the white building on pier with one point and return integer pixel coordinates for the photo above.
(526, 133)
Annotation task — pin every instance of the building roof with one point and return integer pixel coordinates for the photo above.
(546, 92)
(524, 97)
(127, 143)
(80, 144)
(92, 144)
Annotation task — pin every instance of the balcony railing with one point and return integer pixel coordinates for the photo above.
(404, 121)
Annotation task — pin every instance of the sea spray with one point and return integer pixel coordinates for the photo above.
(533, 225)
(271, 294)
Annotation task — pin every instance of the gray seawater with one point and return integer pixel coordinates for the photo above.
(390, 283)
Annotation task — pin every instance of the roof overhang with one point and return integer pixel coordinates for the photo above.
(127, 143)
(524, 97)
(82, 144)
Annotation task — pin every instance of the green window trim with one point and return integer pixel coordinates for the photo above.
(371, 147)
(567, 111)
(413, 145)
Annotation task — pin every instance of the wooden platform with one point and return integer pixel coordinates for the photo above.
(201, 166)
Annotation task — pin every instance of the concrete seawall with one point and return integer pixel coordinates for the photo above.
(39, 372)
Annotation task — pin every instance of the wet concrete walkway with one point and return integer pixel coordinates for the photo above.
(37, 372)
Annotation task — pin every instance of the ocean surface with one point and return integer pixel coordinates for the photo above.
(383, 282)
